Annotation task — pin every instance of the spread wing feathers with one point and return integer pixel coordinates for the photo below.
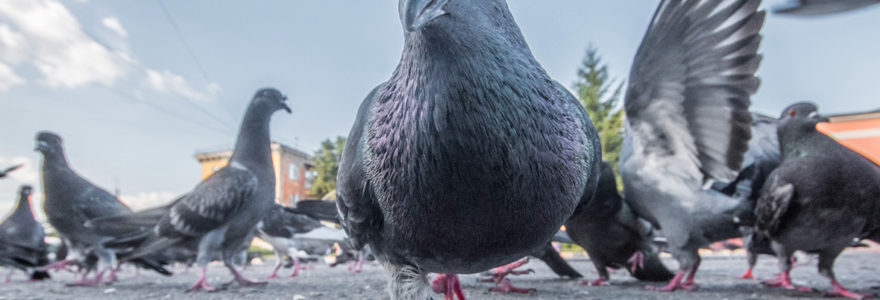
(690, 86)
(821, 7)
(358, 210)
(210, 204)
(772, 206)
(318, 209)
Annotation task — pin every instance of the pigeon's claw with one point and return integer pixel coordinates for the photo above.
(637, 261)
(448, 285)
(505, 287)
(747, 274)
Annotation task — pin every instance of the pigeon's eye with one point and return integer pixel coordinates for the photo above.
(792, 113)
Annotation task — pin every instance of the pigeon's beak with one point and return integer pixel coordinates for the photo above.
(816, 116)
(416, 13)
(284, 105)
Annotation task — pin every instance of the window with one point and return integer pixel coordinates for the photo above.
(294, 171)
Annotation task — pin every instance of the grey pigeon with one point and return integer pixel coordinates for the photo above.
(470, 156)
(688, 123)
(821, 7)
(69, 202)
(614, 237)
(280, 229)
(22, 239)
(220, 215)
(5, 172)
(821, 198)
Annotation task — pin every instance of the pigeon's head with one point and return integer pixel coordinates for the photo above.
(802, 112)
(25, 191)
(48, 142)
(272, 99)
(454, 16)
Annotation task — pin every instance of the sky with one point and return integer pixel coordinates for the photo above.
(135, 88)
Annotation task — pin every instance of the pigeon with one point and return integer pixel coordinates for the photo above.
(688, 123)
(821, 7)
(22, 239)
(614, 237)
(557, 264)
(469, 157)
(70, 201)
(762, 158)
(6, 171)
(220, 215)
(821, 198)
(280, 229)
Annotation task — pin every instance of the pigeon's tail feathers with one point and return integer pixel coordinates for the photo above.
(40, 275)
(407, 282)
(556, 263)
(318, 209)
(150, 245)
(651, 269)
(127, 224)
(152, 264)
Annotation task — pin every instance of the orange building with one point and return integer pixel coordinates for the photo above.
(293, 175)
(858, 131)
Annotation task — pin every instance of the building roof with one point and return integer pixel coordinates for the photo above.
(225, 152)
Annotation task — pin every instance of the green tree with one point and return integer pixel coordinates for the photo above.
(600, 96)
(327, 165)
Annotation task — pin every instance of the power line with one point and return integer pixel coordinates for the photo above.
(186, 46)
(165, 110)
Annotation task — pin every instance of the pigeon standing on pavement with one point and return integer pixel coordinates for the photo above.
(688, 123)
(469, 157)
(821, 198)
(5, 172)
(614, 237)
(822, 7)
(219, 216)
(22, 239)
(280, 228)
(70, 201)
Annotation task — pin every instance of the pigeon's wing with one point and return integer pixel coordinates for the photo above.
(127, 224)
(821, 7)
(317, 209)
(5, 172)
(210, 204)
(95, 202)
(773, 205)
(359, 213)
(280, 222)
(688, 96)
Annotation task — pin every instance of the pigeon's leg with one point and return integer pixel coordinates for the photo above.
(603, 270)
(753, 259)
(358, 265)
(202, 283)
(279, 261)
(237, 277)
(60, 265)
(448, 285)
(99, 278)
(783, 279)
(689, 282)
(688, 260)
(9, 275)
(295, 266)
(826, 264)
(637, 261)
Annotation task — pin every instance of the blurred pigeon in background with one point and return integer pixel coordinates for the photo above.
(821, 198)
(69, 202)
(469, 157)
(220, 215)
(688, 123)
(280, 228)
(614, 237)
(22, 239)
(821, 7)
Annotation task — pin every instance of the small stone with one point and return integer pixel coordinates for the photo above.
(299, 297)
(110, 290)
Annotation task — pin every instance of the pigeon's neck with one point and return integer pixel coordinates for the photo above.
(252, 148)
(55, 162)
(801, 140)
(23, 208)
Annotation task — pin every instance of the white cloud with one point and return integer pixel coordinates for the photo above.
(8, 78)
(112, 23)
(45, 35)
(51, 38)
(169, 82)
(142, 201)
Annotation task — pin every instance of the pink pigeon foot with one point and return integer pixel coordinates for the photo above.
(783, 280)
(597, 282)
(295, 267)
(674, 284)
(637, 261)
(747, 274)
(505, 287)
(99, 278)
(241, 280)
(838, 290)
(448, 285)
(202, 284)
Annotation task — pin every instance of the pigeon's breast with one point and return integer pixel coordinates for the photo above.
(492, 172)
